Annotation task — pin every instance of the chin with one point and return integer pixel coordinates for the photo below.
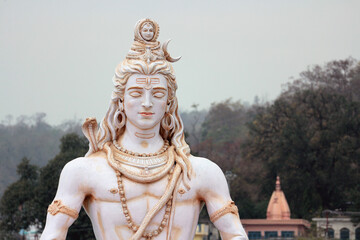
(146, 124)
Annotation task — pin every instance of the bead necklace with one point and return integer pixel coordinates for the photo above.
(162, 150)
(133, 226)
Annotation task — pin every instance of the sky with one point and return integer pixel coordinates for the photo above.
(58, 57)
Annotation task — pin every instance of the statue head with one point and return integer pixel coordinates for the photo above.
(145, 62)
(155, 71)
(146, 30)
(145, 101)
(149, 61)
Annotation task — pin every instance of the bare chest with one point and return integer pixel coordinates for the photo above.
(103, 185)
(104, 205)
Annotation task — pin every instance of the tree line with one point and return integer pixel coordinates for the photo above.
(25, 202)
(309, 136)
(32, 137)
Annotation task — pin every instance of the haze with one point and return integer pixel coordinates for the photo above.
(58, 57)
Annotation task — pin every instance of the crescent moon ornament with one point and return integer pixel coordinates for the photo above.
(166, 54)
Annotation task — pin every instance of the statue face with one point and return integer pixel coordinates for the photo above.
(145, 100)
(147, 31)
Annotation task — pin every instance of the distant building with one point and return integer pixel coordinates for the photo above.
(206, 231)
(202, 231)
(339, 227)
(278, 223)
(31, 234)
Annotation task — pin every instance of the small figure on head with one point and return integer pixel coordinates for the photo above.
(146, 30)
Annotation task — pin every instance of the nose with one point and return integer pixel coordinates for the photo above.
(147, 103)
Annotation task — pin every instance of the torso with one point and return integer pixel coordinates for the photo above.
(102, 203)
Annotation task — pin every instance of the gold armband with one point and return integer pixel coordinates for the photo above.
(57, 207)
(228, 208)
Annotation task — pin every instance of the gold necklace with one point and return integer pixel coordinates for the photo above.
(144, 176)
(130, 223)
(144, 163)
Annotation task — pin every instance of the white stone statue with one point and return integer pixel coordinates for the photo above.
(139, 180)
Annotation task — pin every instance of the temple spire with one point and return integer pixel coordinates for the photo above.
(278, 187)
(278, 208)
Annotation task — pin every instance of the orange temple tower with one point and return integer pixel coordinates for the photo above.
(278, 223)
(278, 208)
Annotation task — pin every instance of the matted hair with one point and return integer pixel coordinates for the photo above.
(113, 124)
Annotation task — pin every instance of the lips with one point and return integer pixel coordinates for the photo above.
(146, 114)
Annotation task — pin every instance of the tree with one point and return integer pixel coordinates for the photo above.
(25, 202)
(310, 136)
(32, 137)
(223, 132)
(340, 77)
(72, 146)
(192, 121)
(17, 208)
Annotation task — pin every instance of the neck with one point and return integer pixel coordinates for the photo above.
(141, 140)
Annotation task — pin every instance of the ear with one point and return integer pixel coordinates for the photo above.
(121, 105)
(168, 106)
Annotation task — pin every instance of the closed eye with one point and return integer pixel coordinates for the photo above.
(158, 94)
(135, 94)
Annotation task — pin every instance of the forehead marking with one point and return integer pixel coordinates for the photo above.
(147, 81)
(147, 25)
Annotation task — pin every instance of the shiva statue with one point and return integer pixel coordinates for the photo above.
(138, 180)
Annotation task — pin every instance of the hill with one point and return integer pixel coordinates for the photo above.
(31, 137)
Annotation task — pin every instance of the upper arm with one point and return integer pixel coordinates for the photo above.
(71, 194)
(214, 190)
(71, 189)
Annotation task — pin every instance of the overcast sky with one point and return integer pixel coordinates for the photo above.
(59, 57)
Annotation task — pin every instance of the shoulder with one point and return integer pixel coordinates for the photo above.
(83, 165)
(205, 171)
(203, 165)
(209, 180)
(76, 173)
